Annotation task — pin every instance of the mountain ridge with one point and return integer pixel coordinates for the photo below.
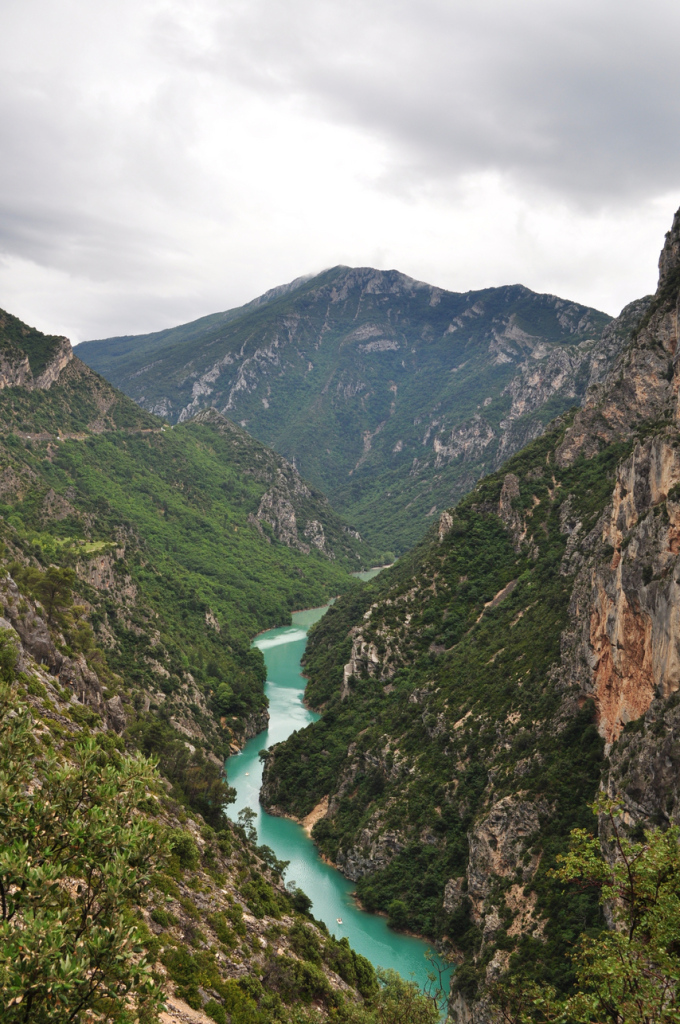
(389, 394)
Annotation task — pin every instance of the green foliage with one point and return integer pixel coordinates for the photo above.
(163, 917)
(397, 914)
(300, 901)
(197, 782)
(631, 974)
(225, 934)
(223, 699)
(216, 1011)
(246, 820)
(261, 898)
(183, 846)
(297, 980)
(305, 943)
(402, 1002)
(75, 857)
(55, 589)
(9, 654)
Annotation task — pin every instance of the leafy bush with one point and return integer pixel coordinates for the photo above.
(75, 855)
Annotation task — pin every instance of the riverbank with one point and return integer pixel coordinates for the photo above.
(308, 822)
(329, 890)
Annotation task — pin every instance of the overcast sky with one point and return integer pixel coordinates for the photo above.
(163, 159)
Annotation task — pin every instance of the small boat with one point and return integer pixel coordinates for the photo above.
(339, 920)
(247, 773)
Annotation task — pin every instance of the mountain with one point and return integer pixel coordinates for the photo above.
(137, 560)
(525, 654)
(185, 541)
(390, 395)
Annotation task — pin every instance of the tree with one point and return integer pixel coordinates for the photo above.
(223, 699)
(402, 1002)
(631, 973)
(246, 820)
(397, 914)
(55, 589)
(76, 856)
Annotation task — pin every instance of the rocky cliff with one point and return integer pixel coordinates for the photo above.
(527, 653)
(391, 395)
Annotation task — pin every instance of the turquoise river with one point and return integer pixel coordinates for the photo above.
(329, 891)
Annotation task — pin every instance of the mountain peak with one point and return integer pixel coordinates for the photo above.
(669, 260)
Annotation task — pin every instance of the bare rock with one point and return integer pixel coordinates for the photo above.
(115, 714)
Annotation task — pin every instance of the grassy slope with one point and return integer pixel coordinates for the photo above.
(325, 394)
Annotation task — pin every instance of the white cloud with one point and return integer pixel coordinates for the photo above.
(167, 158)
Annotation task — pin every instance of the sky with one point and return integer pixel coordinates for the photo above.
(165, 159)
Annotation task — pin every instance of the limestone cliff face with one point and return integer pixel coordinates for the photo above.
(15, 369)
(617, 559)
(627, 607)
(634, 629)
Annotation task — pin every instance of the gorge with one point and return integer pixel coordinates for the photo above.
(462, 709)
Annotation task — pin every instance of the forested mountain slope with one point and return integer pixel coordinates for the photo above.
(136, 561)
(391, 395)
(476, 695)
(184, 541)
(125, 892)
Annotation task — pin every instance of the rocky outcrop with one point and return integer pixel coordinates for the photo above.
(101, 573)
(288, 510)
(373, 851)
(445, 525)
(641, 384)
(278, 511)
(255, 724)
(29, 625)
(15, 368)
(498, 843)
(79, 677)
(59, 360)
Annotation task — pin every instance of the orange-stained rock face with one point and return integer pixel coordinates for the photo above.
(623, 679)
(633, 635)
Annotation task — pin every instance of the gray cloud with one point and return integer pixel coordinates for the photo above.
(164, 158)
(578, 97)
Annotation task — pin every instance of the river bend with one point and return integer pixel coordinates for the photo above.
(327, 888)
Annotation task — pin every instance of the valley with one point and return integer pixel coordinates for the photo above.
(521, 658)
(460, 710)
